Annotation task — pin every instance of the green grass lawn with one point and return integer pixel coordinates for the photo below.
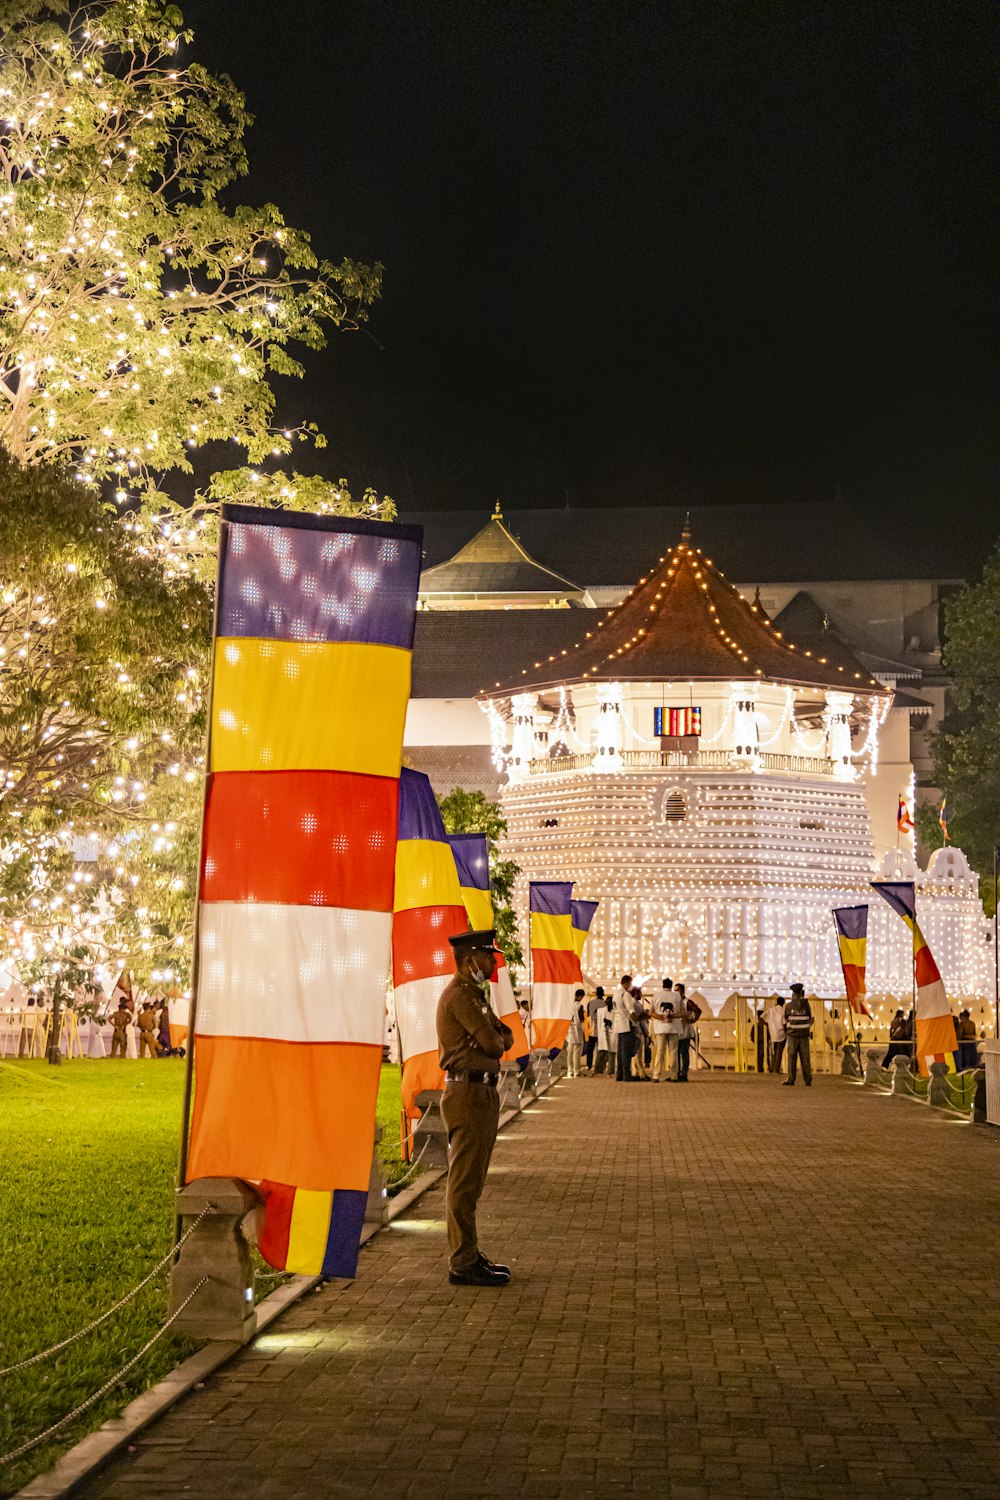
(89, 1153)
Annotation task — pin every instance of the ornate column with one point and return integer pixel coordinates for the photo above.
(608, 727)
(745, 743)
(838, 734)
(523, 744)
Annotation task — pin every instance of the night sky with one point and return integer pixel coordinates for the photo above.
(692, 252)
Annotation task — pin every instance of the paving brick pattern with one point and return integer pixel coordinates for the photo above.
(724, 1289)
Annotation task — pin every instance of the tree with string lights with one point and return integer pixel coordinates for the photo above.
(139, 320)
(139, 317)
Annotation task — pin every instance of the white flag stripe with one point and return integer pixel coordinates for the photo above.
(416, 1014)
(293, 973)
(552, 1002)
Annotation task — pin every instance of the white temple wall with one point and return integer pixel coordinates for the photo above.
(445, 721)
(893, 778)
(739, 893)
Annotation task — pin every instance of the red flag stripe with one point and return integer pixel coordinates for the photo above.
(420, 947)
(301, 838)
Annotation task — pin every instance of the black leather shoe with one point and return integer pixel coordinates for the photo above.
(789, 1083)
(494, 1266)
(477, 1275)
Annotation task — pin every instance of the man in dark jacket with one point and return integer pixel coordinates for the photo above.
(798, 1030)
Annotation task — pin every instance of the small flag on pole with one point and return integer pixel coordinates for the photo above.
(943, 818)
(472, 861)
(554, 961)
(936, 1040)
(852, 939)
(904, 823)
(427, 910)
(582, 913)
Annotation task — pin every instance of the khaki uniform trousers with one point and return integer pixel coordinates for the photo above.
(471, 1111)
(148, 1042)
(119, 1044)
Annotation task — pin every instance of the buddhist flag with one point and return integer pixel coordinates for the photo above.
(555, 964)
(852, 937)
(582, 915)
(427, 910)
(943, 818)
(904, 823)
(936, 1040)
(472, 862)
(311, 675)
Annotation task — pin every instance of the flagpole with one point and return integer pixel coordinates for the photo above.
(196, 935)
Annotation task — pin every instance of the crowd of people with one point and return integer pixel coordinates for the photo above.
(150, 1017)
(634, 1039)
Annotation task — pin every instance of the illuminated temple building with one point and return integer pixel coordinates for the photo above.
(717, 779)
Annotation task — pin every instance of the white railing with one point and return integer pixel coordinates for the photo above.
(697, 760)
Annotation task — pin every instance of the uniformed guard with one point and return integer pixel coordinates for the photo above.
(471, 1042)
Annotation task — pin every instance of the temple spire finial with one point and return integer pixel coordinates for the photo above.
(498, 513)
(686, 532)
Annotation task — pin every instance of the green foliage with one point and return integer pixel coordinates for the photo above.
(86, 1210)
(472, 812)
(966, 759)
(101, 719)
(139, 317)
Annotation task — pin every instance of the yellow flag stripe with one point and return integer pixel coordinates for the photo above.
(852, 951)
(279, 706)
(552, 932)
(308, 1231)
(479, 908)
(425, 875)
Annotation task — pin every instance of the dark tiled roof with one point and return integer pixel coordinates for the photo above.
(764, 543)
(685, 620)
(804, 621)
(494, 562)
(459, 653)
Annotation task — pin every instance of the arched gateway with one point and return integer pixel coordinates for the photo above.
(705, 778)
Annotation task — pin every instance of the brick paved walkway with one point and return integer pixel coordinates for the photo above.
(722, 1290)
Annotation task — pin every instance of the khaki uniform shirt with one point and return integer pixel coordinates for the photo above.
(470, 1037)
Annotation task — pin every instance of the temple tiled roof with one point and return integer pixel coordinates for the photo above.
(685, 620)
(494, 562)
(807, 624)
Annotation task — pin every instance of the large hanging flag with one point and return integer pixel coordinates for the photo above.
(472, 861)
(555, 964)
(427, 910)
(936, 1040)
(904, 823)
(852, 938)
(582, 914)
(311, 676)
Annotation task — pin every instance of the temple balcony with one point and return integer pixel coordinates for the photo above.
(680, 760)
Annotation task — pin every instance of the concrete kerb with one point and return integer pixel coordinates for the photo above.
(91, 1453)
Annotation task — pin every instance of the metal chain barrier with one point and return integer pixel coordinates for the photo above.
(413, 1167)
(8, 1458)
(34, 1359)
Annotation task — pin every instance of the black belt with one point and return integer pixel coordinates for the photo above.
(475, 1077)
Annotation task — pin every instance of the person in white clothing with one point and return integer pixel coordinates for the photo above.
(621, 1031)
(675, 1030)
(662, 1015)
(574, 1037)
(774, 1020)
